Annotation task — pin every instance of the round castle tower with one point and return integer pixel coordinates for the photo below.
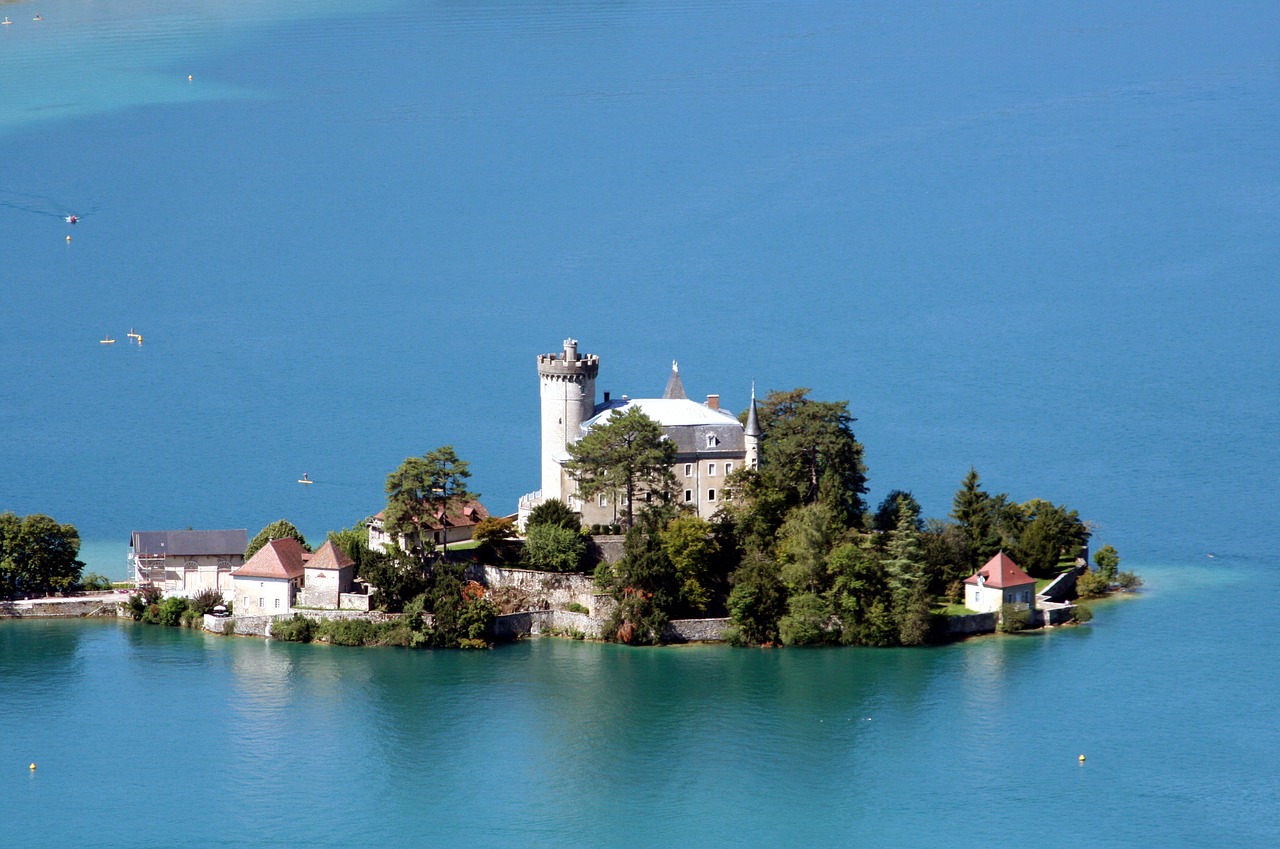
(567, 387)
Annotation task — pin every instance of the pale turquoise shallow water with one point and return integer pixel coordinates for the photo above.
(149, 737)
(1037, 240)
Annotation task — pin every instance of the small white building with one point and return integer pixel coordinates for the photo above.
(269, 581)
(998, 583)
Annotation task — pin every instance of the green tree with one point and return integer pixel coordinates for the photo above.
(810, 455)
(1091, 583)
(38, 556)
(808, 621)
(553, 548)
(886, 517)
(860, 594)
(626, 457)
(972, 510)
(494, 529)
(1107, 559)
(423, 491)
(757, 601)
(354, 542)
(1051, 533)
(644, 584)
(905, 572)
(692, 546)
(396, 577)
(553, 511)
(945, 551)
(804, 542)
(279, 529)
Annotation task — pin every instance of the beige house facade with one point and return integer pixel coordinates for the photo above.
(186, 562)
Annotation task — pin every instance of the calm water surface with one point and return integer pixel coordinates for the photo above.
(1037, 240)
(146, 736)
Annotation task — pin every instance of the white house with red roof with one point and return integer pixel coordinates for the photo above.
(272, 577)
(998, 583)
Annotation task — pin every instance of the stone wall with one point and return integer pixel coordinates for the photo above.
(695, 630)
(543, 590)
(978, 623)
(513, 626)
(63, 608)
(533, 623)
(607, 547)
(1063, 587)
(353, 601)
(260, 626)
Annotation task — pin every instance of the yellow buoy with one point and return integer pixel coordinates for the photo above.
(1082, 759)
(32, 767)
(68, 238)
(188, 78)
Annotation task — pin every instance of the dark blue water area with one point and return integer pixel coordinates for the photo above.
(1036, 241)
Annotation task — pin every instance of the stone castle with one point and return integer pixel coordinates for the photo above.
(710, 442)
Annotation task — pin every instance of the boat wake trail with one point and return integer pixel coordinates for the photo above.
(41, 205)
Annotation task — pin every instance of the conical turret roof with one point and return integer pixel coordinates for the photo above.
(753, 421)
(675, 387)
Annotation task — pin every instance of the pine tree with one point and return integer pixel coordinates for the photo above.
(972, 510)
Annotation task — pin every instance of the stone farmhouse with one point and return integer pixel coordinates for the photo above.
(998, 583)
(187, 562)
(710, 442)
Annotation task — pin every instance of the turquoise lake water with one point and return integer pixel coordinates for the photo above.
(1041, 241)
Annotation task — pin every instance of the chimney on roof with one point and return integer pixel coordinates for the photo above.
(571, 350)
(713, 402)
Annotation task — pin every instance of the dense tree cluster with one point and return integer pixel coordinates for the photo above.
(795, 555)
(38, 556)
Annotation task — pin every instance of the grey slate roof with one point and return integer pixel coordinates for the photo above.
(189, 543)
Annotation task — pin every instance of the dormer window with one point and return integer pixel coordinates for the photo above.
(712, 440)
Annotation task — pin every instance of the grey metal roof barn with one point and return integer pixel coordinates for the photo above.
(189, 543)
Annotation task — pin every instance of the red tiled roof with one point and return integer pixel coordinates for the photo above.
(468, 514)
(1001, 572)
(330, 557)
(280, 558)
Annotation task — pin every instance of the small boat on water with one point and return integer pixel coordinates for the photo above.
(6, 22)
(107, 341)
(306, 480)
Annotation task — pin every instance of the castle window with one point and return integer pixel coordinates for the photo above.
(688, 496)
(688, 469)
(602, 500)
(711, 469)
(728, 469)
(277, 602)
(712, 440)
(711, 495)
